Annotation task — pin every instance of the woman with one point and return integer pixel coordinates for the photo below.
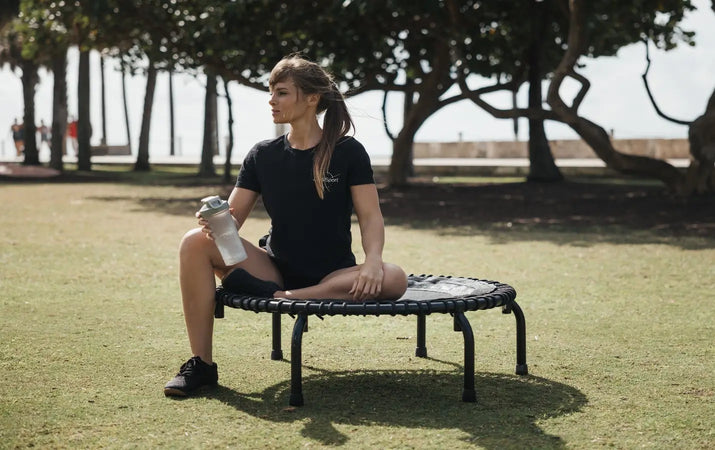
(310, 180)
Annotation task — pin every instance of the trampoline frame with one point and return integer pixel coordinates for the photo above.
(503, 295)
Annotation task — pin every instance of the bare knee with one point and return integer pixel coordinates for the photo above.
(192, 240)
(394, 282)
(194, 245)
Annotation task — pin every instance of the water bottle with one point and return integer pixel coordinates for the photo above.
(223, 228)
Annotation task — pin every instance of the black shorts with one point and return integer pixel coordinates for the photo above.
(294, 280)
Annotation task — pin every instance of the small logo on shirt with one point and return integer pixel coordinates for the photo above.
(330, 178)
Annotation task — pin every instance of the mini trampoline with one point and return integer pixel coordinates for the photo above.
(426, 294)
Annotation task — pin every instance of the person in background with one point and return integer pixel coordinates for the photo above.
(18, 136)
(44, 134)
(72, 133)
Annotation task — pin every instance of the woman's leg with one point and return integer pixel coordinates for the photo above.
(199, 263)
(337, 285)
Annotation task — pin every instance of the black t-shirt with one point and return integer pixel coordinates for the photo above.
(309, 236)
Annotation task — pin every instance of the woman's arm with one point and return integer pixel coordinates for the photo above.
(241, 201)
(372, 231)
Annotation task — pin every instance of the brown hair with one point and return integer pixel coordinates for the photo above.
(310, 78)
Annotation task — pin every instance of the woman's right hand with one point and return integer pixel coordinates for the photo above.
(204, 224)
(206, 228)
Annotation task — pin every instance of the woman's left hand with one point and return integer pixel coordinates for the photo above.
(368, 283)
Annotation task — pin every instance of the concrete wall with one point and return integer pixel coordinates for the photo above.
(656, 148)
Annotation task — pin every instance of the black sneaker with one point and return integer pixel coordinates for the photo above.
(193, 374)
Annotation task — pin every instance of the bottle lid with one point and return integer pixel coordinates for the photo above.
(212, 205)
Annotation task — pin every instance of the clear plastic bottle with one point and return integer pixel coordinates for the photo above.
(215, 211)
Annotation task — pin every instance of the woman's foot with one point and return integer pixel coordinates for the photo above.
(194, 374)
(241, 282)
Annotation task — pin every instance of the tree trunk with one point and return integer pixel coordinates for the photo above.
(172, 131)
(400, 165)
(59, 110)
(229, 145)
(594, 135)
(409, 103)
(104, 101)
(210, 144)
(541, 162)
(126, 109)
(142, 163)
(29, 83)
(701, 135)
(435, 83)
(214, 114)
(515, 122)
(84, 127)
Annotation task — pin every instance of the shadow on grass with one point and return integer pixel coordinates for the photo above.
(572, 213)
(160, 175)
(566, 230)
(505, 415)
(178, 206)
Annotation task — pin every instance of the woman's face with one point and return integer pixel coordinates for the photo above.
(289, 104)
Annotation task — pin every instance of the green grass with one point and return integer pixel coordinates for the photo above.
(619, 337)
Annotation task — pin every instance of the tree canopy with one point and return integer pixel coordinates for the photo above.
(417, 49)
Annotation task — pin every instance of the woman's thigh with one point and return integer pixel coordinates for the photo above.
(353, 270)
(257, 263)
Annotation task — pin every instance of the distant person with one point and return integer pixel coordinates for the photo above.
(44, 134)
(72, 133)
(18, 136)
(311, 180)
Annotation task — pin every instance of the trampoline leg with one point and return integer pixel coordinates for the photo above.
(218, 310)
(277, 352)
(521, 367)
(468, 394)
(421, 350)
(296, 382)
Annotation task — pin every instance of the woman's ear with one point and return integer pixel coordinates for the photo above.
(313, 99)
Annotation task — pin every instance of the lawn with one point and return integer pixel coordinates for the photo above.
(619, 335)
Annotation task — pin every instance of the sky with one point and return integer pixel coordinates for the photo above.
(681, 81)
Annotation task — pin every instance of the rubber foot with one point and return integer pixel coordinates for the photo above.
(421, 352)
(277, 355)
(522, 369)
(468, 395)
(296, 399)
(218, 311)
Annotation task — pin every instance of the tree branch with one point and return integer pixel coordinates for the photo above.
(585, 86)
(452, 99)
(650, 94)
(593, 134)
(513, 113)
(384, 115)
(475, 95)
(565, 67)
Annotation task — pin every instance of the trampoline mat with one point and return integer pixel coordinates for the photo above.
(429, 287)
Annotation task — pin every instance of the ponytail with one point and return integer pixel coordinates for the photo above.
(336, 124)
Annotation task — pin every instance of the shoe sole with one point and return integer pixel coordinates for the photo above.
(173, 392)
